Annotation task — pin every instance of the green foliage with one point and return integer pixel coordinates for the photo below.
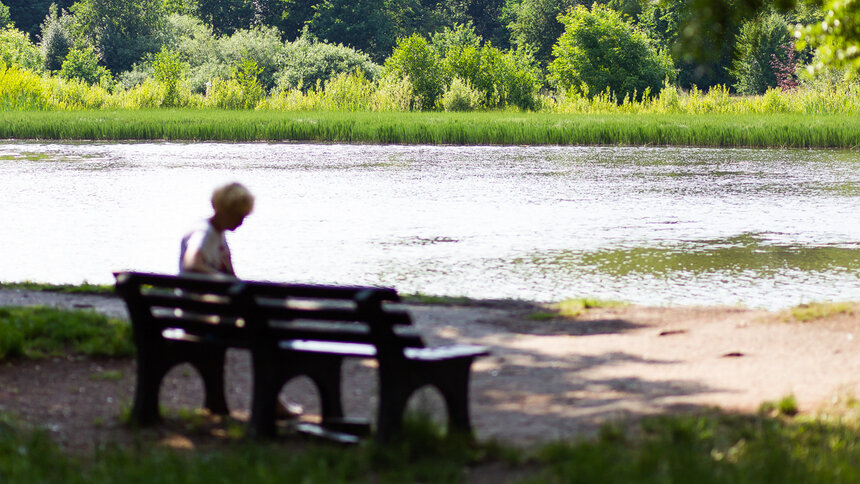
(56, 38)
(759, 40)
(306, 61)
(38, 332)
(241, 91)
(20, 89)
(836, 38)
(17, 50)
(536, 25)
(168, 69)
(83, 65)
(261, 44)
(600, 51)
(460, 96)
(414, 59)
(503, 78)
(813, 311)
(372, 27)
(5, 18)
(225, 17)
(121, 32)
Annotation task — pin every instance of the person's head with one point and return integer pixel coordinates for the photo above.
(232, 203)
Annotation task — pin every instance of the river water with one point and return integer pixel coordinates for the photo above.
(762, 228)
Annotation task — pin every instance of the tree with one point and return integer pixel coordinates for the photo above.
(5, 18)
(837, 37)
(759, 41)
(56, 38)
(29, 14)
(599, 50)
(120, 31)
(306, 61)
(169, 69)
(228, 16)
(536, 25)
(83, 65)
(414, 59)
(17, 50)
(366, 25)
(663, 21)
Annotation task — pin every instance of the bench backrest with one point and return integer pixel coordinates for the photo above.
(250, 313)
(186, 306)
(358, 314)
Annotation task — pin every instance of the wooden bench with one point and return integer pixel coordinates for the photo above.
(291, 330)
(310, 333)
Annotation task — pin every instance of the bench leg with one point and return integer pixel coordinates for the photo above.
(150, 372)
(394, 392)
(211, 368)
(326, 376)
(264, 400)
(452, 380)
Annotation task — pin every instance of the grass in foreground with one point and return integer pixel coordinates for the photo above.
(708, 447)
(38, 332)
(482, 128)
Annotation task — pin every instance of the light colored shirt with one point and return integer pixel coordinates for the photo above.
(212, 247)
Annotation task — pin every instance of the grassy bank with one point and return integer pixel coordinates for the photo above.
(708, 447)
(496, 128)
(38, 332)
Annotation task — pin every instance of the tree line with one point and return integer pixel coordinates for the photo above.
(495, 53)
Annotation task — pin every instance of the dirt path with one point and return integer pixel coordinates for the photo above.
(545, 381)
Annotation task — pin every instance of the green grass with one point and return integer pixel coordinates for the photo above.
(707, 447)
(483, 128)
(713, 448)
(571, 308)
(38, 332)
(814, 311)
(84, 288)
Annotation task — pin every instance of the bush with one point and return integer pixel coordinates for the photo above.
(460, 96)
(260, 44)
(599, 50)
(168, 70)
(17, 50)
(20, 89)
(306, 60)
(83, 64)
(759, 41)
(414, 59)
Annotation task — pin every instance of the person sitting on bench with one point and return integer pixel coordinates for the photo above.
(204, 250)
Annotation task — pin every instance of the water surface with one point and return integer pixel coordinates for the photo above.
(768, 228)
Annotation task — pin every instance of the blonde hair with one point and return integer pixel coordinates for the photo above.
(232, 197)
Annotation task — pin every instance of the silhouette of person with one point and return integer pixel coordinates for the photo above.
(204, 250)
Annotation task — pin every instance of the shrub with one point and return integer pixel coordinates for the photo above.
(260, 44)
(17, 50)
(392, 94)
(414, 59)
(168, 70)
(600, 50)
(759, 41)
(460, 96)
(348, 92)
(306, 60)
(83, 64)
(20, 89)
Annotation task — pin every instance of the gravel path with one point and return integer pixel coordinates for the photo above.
(545, 380)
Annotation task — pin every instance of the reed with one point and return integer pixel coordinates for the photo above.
(481, 128)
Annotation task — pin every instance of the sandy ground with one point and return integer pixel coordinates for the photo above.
(545, 380)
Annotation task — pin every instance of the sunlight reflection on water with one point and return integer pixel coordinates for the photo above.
(765, 228)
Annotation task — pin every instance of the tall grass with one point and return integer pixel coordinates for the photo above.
(481, 128)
